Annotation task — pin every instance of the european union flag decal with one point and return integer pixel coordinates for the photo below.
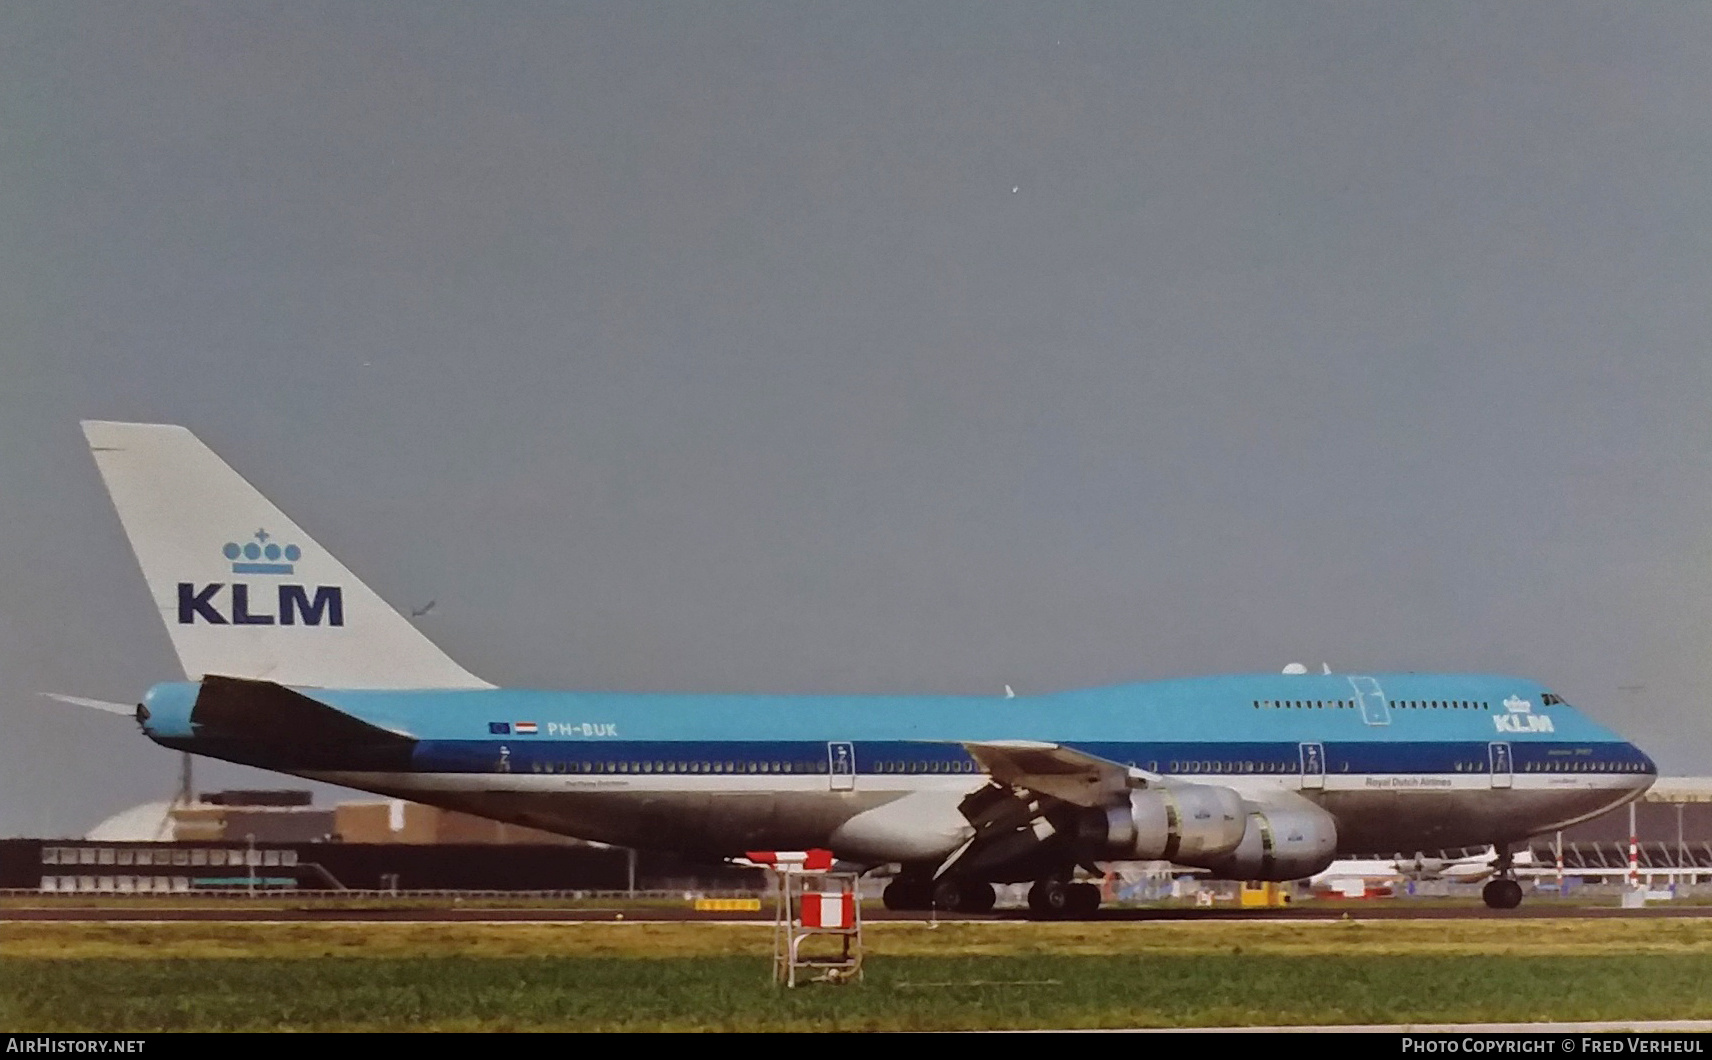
(499, 728)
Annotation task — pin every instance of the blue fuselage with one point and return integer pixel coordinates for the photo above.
(1404, 762)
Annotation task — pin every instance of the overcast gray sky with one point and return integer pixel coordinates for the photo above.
(854, 346)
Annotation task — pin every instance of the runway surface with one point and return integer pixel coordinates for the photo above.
(241, 912)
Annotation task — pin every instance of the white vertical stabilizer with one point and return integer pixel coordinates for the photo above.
(243, 590)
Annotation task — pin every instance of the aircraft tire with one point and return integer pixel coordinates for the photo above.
(906, 895)
(1084, 899)
(951, 896)
(978, 897)
(1502, 894)
(1051, 898)
(964, 896)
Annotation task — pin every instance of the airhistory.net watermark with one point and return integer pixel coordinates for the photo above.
(70, 1043)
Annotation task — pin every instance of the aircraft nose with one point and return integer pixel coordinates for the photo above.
(1646, 771)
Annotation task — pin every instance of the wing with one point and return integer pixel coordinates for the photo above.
(1057, 771)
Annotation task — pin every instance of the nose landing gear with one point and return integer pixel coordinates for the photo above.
(1503, 892)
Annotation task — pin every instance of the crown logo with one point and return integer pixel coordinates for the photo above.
(1517, 705)
(263, 555)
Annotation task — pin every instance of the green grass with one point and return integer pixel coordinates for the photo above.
(119, 977)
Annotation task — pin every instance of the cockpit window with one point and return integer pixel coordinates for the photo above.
(1548, 699)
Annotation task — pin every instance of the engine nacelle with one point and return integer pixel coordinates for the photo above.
(1187, 823)
(1280, 843)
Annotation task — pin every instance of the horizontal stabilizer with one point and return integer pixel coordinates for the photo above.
(127, 709)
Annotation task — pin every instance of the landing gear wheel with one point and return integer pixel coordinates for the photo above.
(979, 897)
(906, 895)
(1051, 898)
(964, 896)
(1502, 894)
(948, 896)
(1084, 899)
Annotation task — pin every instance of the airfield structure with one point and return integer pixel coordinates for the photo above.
(812, 903)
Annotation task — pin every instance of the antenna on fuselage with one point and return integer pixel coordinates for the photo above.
(1326, 668)
(1009, 694)
(1295, 668)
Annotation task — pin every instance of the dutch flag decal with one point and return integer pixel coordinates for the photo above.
(524, 728)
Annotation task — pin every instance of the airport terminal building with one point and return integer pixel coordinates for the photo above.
(280, 841)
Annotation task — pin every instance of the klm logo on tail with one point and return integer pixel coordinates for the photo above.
(247, 605)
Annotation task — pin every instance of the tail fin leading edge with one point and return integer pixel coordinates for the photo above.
(244, 592)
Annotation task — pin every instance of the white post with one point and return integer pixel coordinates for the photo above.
(1681, 861)
(1634, 852)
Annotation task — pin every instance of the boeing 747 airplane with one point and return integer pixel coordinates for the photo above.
(294, 665)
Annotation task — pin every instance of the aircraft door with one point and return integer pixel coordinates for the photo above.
(841, 765)
(1503, 773)
(1313, 766)
(1374, 709)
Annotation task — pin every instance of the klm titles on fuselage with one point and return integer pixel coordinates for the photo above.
(1519, 717)
(294, 603)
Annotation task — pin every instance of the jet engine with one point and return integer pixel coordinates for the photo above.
(1279, 843)
(1187, 823)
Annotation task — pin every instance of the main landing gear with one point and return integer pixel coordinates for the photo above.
(904, 893)
(947, 895)
(1503, 892)
(1056, 898)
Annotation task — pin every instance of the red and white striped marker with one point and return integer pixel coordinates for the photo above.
(792, 860)
(828, 910)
